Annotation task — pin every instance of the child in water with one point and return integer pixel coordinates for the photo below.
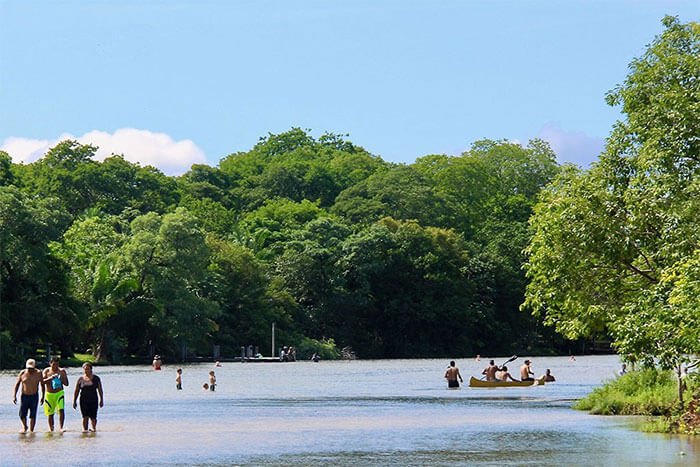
(205, 386)
(178, 379)
(212, 380)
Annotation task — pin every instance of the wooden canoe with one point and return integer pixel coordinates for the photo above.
(480, 383)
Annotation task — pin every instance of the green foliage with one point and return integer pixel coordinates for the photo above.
(324, 348)
(316, 235)
(646, 392)
(614, 248)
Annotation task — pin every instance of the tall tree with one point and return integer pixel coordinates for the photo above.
(614, 248)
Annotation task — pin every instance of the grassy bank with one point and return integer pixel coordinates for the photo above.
(649, 392)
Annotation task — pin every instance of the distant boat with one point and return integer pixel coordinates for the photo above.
(480, 383)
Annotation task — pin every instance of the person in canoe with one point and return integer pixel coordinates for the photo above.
(491, 370)
(503, 375)
(526, 373)
(452, 374)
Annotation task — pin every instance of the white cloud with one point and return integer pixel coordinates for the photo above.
(572, 146)
(138, 146)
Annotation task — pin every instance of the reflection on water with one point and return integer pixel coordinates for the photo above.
(345, 413)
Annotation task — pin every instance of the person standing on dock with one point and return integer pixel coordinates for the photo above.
(452, 374)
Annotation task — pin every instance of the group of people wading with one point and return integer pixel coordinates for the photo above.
(52, 381)
(495, 373)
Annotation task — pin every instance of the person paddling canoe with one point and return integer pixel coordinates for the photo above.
(490, 371)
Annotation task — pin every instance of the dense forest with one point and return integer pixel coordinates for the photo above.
(338, 247)
(331, 243)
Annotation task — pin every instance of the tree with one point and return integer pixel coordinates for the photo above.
(33, 289)
(614, 247)
(402, 193)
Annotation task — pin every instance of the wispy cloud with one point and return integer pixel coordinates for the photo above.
(138, 146)
(572, 146)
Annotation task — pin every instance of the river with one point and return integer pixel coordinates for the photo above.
(378, 412)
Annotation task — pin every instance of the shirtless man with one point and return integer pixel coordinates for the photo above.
(526, 373)
(452, 374)
(55, 379)
(490, 371)
(29, 379)
(503, 375)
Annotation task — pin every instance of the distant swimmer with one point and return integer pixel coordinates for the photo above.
(623, 370)
(572, 358)
(156, 362)
(477, 358)
(452, 375)
(490, 371)
(212, 380)
(178, 379)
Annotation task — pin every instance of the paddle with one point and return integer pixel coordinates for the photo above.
(507, 361)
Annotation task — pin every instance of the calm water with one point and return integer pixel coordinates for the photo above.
(387, 412)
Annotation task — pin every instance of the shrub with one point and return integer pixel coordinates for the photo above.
(646, 392)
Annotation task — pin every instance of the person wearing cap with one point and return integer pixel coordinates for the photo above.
(55, 379)
(526, 374)
(30, 379)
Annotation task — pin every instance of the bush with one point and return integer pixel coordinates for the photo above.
(325, 349)
(646, 392)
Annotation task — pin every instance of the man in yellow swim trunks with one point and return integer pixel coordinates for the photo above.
(55, 379)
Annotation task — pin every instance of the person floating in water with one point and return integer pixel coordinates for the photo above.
(178, 379)
(452, 374)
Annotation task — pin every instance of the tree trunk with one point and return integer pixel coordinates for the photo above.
(681, 385)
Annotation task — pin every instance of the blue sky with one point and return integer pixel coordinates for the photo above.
(171, 83)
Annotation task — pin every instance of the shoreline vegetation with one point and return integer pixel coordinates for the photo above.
(649, 392)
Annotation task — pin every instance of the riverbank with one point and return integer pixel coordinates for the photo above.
(651, 393)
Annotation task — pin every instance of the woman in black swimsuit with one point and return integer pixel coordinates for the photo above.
(89, 387)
